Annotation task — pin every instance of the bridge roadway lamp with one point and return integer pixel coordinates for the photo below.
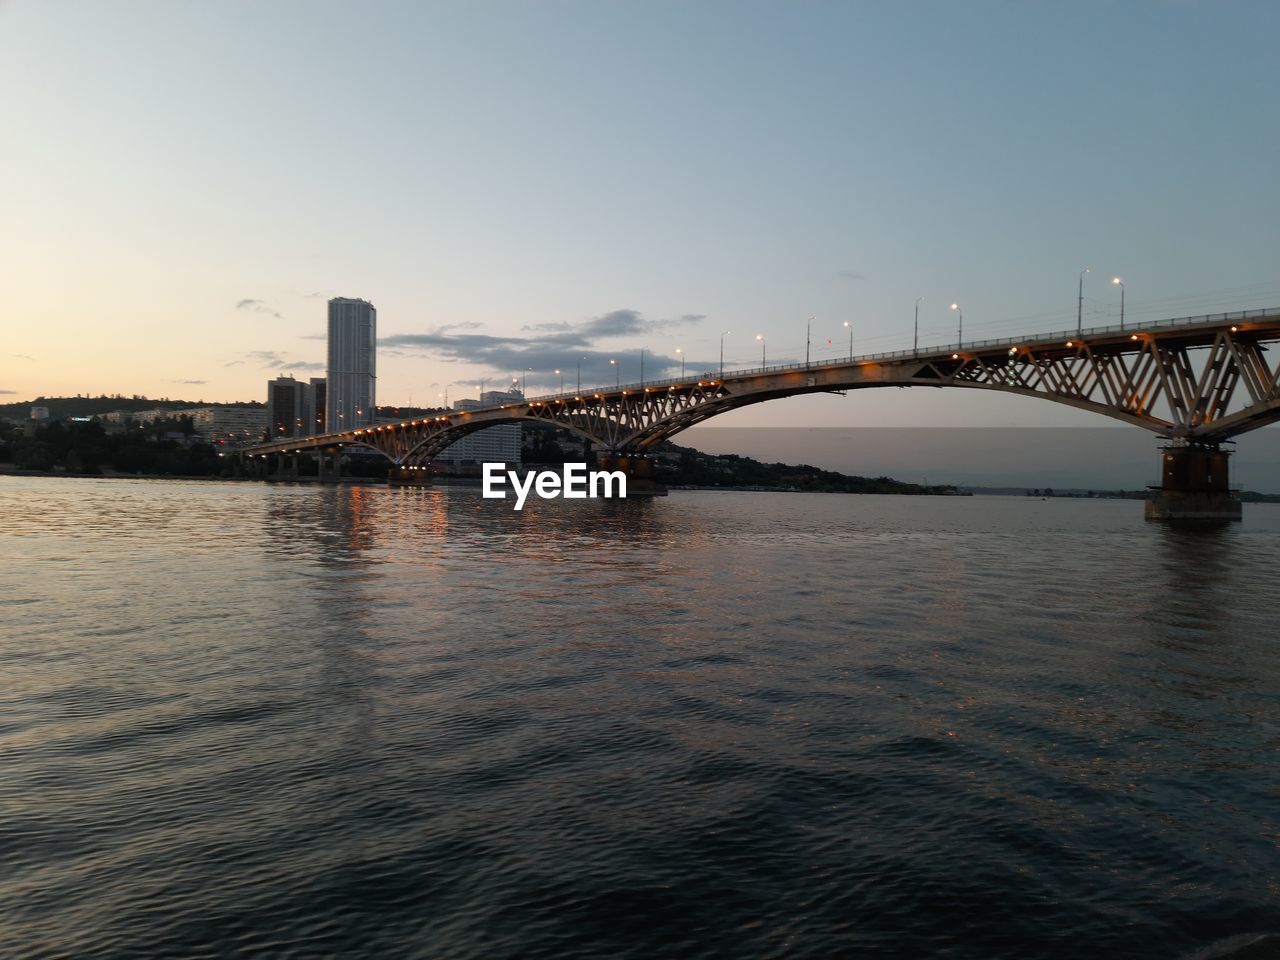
(680, 351)
(1120, 283)
(763, 362)
(960, 332)
(561, 376)
(915, 339)
(722, 336)
(850, 326)
(1080, 304)
(617, 373)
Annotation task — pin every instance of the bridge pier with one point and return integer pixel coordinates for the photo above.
(1194, 487)
(640, 471)
(329, 466)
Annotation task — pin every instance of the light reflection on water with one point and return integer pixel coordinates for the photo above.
(255, 720)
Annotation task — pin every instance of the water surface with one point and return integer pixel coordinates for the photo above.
(250, 720)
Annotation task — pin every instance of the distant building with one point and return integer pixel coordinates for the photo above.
(39, 413)
(221, 424)
(287, 408)
(498, 444)
(350, 389)
(317, 398)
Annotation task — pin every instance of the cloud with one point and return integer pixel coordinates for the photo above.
(234, 363)
(8, 391)
(257, 306)
(275, 360)
(561, 345)
(23, 356)
(852, 275)
(191, 382)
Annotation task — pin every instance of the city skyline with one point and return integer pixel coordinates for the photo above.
(540, 192)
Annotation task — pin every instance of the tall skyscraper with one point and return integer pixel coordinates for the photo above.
(350, 393)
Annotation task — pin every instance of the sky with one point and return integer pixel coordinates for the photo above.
(521, 186)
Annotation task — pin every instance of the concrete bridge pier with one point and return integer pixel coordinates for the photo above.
(1194, 487)
(640, 471)
(329, 466)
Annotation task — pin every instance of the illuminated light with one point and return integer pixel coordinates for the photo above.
(1133, 337)
(1070, 343)
(1234, 329)
(955, 356)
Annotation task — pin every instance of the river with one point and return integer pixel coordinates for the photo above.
(289, 721)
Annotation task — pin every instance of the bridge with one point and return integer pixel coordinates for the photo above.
(1194, 381)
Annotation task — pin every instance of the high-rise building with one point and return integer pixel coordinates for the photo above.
(286, 407)
(350, 393)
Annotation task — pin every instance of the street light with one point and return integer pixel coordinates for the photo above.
(915, 340)
(960, 335)
(807, 327)
(642, 368)
(763, 362)
(722, 336)
(850, 326)
(561, 376)
(1080, 303)
(1120, 283)
(580, 359)
(681, 352)
(617, 373)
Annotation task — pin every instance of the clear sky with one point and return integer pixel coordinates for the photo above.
(517, 186)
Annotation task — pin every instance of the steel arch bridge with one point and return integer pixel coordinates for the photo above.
(1197, 380)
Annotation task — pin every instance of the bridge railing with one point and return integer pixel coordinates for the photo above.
(924, 352)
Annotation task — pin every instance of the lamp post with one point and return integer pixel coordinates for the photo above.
(1080, 304)
(617, 374)
(580, 359)
(763, 362)
(722, 336)
(960, 334)
(850, 326)
(1120, 283)
(680, 351)
(561, 376)
(642, 368)
(915, 337)
(807, 327)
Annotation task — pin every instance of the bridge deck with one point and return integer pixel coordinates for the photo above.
(1185, 332)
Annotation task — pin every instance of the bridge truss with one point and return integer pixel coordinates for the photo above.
(1199, 381)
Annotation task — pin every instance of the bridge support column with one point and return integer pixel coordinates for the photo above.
(1194, 487)
(640, 470)
(329, 466)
